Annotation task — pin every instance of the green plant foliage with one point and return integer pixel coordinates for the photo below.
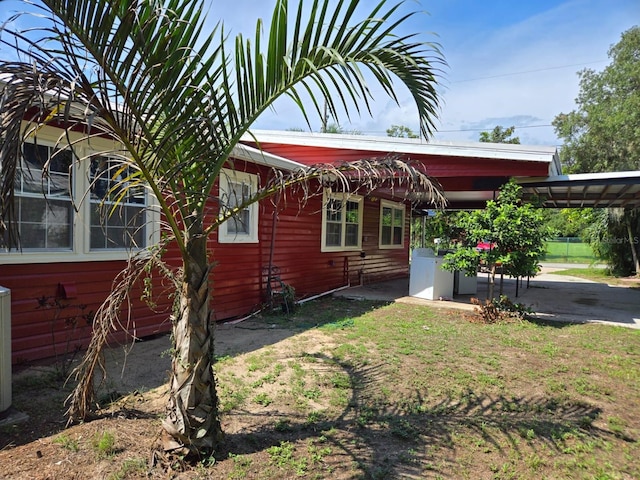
(602, 135)
(500, 135)
(176, 96)
(401, 131)
(104, 444)
(515, 230)
(65, 441)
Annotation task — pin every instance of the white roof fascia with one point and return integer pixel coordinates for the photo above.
(259, 157)
(506, 151)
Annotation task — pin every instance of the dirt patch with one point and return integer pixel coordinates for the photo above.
(134, 395)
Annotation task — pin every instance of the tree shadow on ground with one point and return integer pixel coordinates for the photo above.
(375, 435)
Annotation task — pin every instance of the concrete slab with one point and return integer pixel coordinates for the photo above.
(552, 297)
(11, 416)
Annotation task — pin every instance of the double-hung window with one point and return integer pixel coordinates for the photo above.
(341, 222)
(118, 206)
(43, 198)
(235, 189)
(78, 205)
(391, 224)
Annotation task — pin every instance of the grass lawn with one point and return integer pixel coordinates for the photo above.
(600, 275)
(564, 252)
(360, 390)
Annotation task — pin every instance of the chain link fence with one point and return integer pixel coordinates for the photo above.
(569, 250)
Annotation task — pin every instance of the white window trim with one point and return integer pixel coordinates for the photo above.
(344, 197)
(224, 236)
(396, 206)
(80, 251)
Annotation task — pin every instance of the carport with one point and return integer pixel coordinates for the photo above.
(598, 190)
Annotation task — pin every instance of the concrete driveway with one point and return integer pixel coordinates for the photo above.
(552, 297)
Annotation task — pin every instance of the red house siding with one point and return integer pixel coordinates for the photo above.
(438, 166)
(236, 281)
(41, 330)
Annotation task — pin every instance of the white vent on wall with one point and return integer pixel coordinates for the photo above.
(5, 349)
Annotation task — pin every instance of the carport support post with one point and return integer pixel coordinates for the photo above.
(632, 244)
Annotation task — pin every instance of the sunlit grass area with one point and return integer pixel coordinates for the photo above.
(403, 391)
(569, 252)
(600, 275)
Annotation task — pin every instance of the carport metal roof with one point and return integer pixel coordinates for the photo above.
(601, 190)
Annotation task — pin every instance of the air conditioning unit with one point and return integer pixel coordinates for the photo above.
(5, 349)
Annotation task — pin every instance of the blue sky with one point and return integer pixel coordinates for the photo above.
(509, 62)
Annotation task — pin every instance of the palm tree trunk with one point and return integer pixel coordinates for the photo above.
(192, 424)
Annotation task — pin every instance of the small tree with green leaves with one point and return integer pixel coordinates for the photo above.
(401, 131)
(500, 135)
(515, 231)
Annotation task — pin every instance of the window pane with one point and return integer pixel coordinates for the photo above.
(35, 156)
(59, 236)
(116, 237)
(351, 235)
(110, 179)
(240, 224)
(56, 180)
(333, 235)
(387, 214)
(397, 236)
(33, 236)
(352, 213)
(44, 225)
(397, 217)
(98, 238)
(124, 227)
(342, 223)
(334, 211)
(386, 235)
(33, 209)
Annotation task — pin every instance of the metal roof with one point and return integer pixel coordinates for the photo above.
(503, 151)
(611, 189)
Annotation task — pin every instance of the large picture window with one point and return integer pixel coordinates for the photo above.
(235, 189)
(341, 222)
(65, 204)
(43, 199)
(391, 224)
(118, 210)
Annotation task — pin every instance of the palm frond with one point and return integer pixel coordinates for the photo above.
(178, 97)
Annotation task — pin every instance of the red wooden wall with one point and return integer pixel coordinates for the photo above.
(237, 281)
(40, 329)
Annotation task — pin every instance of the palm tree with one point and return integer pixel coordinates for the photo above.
(149, 75)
